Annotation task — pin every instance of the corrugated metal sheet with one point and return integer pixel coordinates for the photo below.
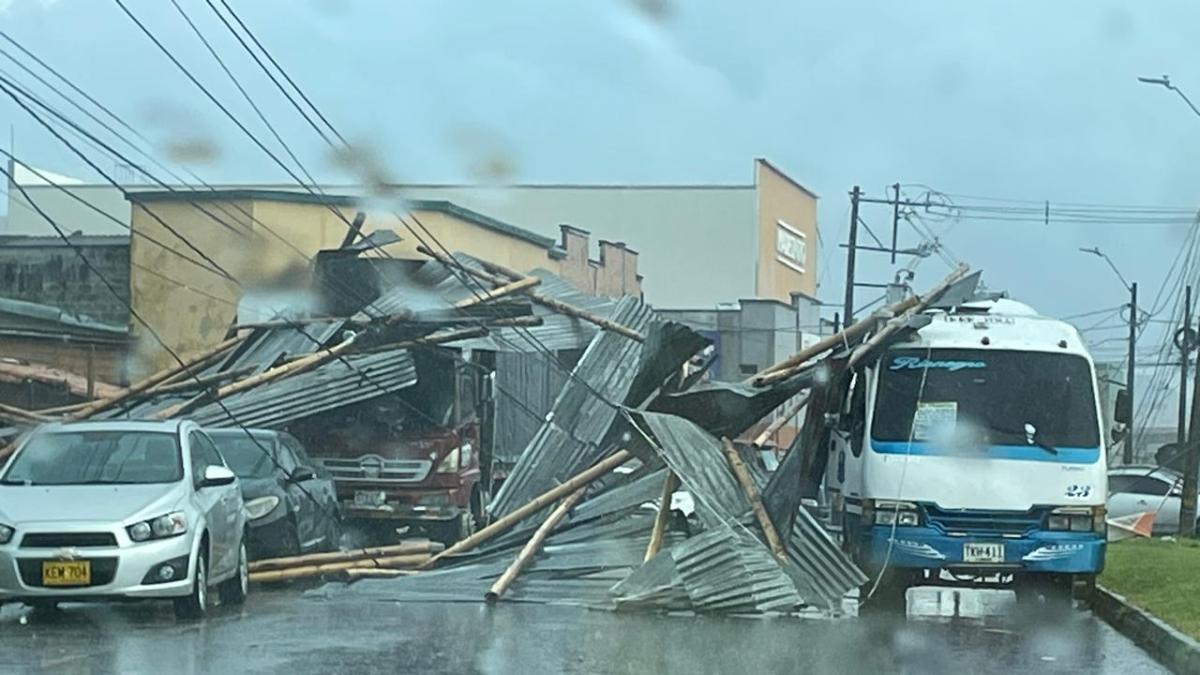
(432, 286)
(573, 437)
(333, 385)
(821, 572)
(263, 348)
(526, 388)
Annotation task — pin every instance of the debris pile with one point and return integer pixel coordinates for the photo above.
(600, 450)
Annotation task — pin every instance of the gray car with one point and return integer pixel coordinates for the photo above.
(121, 510)
(291, 503)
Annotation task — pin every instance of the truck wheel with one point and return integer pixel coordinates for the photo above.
(891, 594)
(234, 589)
(195, 603)
(1045, 592)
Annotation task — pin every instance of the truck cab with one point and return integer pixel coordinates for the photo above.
(973, 451)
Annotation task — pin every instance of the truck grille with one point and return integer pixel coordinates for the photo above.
(984, 522)
(104, 570)
(68, 539)
(370, 468)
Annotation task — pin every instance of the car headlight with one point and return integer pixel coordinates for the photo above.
(261, 506)
(170, 525)
(6, 534)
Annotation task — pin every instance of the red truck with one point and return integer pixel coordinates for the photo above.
(414, 460)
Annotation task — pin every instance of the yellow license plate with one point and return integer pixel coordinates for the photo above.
(67, 573)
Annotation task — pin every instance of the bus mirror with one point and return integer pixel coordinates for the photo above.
(1122, 414)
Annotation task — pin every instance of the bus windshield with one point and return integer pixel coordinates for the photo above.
(1007, 397)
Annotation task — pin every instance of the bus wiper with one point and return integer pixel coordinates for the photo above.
(1031, 436)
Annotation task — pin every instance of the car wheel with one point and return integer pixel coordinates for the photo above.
(234, 589)
(195, 603)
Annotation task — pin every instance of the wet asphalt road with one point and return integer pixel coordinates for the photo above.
(282, 631)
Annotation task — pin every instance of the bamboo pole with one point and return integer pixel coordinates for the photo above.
(670, 485)
(522, 284)
(200, 381)
(24, 414)
(791, 365)
(355, 573)
(155, 379)
(393, 562)
(531, 547)
(760, 513)
(545, 301)
(293, 368)
(60, 409)
(290, 323)
(536, 504)
(572, 310)
(779, 422)
(403, 548)
(898, 322)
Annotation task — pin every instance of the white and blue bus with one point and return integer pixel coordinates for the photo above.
(974, 451)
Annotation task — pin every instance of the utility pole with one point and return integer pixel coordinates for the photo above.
(895, 221)
(851, 252)
(1187, 507)
(1183, 340)
(1127, 451)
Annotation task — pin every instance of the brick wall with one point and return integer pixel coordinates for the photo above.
(52, 274)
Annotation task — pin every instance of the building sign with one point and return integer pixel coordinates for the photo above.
(791, 246)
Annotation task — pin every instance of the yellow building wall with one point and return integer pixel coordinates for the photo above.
(787, 214)
(191, 308)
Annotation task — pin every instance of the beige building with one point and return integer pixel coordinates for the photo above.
(697, 245)
(265, 240)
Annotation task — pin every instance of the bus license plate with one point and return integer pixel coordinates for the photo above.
(983, 553)
(67, 573)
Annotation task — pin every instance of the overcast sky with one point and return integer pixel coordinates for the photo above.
(1009, 99)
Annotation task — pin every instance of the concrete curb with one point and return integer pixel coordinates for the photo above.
(1167, 645)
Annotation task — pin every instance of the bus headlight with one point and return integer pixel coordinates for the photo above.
(902, 514)
(1076, 519)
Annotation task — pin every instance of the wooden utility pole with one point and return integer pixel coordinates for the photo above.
(1187, 507)
(1183, 341)
(1127, 451)
(851, 253)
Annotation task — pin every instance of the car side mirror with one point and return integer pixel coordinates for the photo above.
(302, 473)
(215, 476)
(1121, 412)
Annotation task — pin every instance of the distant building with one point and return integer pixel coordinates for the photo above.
(697, 245)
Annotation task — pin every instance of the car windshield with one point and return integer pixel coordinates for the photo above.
(1010, 397)
(247, 457)
(97, 457)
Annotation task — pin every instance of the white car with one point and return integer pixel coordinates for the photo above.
(1138, 489)
(121, 510)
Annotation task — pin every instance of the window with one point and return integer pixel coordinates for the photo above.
(97, 457)
(247, 457)
(1139, 485)
(791, 246)
(204, 454)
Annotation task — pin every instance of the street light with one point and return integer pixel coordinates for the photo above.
(1131, 365)
(1165, 81)
(1096, 252)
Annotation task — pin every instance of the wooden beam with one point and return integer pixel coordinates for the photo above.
(403, 548)
(21, 413)
(200, 381)
(294, 368)
(157, 378)
(760, 513)
(545, 301)
(531, 547)
(780, 421)
(307, 571)
(517, 286)
(538, 503)
(898, 322)
(670, 485)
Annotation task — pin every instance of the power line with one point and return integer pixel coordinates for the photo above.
(242, 90)
(281, 72)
